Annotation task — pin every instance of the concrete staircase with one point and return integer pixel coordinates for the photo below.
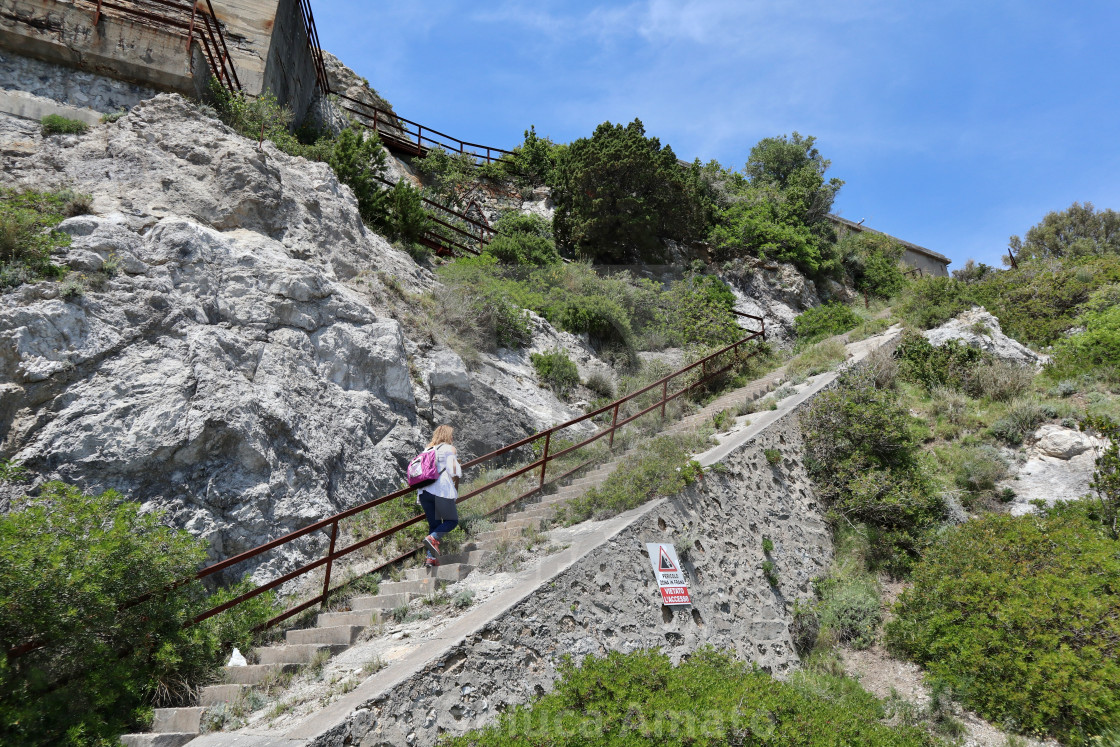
(335, 632)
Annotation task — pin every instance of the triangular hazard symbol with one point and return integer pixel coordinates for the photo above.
(665, 563)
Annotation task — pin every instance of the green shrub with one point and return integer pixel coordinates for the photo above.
(862, 453)
(601, 384)
(947, 365)
(773, 456)
(1106, 476)
(1096, 350)
(533, 162)
(710, 698)
(818, 358)
(619, 193)
(56, 124)
(72, 565)
(660, 469)
(27, 238)
(980, 470)
(523, 240)
(849, 609)
(556, 370)
(930, 301)
(1020, 616)
(998, 380)
(873, 260)
(819, 322)
(1021, 420)
(406, 218)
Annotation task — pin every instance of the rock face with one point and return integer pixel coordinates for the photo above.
(978, 328)
(231, 359)
(216, 377)
(1059, 466)
(778, 293)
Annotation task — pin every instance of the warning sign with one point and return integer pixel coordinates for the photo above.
(667, 569)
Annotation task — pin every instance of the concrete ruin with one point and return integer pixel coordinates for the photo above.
(84, 58)
(917, 257)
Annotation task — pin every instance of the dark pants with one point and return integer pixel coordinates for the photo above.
(442, 514)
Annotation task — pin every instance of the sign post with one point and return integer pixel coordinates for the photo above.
(667, 569)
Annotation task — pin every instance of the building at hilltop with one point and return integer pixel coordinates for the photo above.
(917, 257)
(82, 58)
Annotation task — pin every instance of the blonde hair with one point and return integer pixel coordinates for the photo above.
(443, 435)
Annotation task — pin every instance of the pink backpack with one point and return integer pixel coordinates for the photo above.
(423, 469)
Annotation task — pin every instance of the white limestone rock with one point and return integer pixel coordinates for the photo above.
(1059, 467)
(978, 328)
(1062, 443)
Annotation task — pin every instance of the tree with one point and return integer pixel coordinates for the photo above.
(1079, 231)
(872, 259)
(795, 168)
(618, 193)
(74, 570)
(777, 208)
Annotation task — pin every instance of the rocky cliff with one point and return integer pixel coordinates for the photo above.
(231, 357)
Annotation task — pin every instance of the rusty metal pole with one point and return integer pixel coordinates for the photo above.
(544, 460)
(97, 15)
(190, 29)
(614, 424)
(664, 396)
(419, 139)
(330, 564)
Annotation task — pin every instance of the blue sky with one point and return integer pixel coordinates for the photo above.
(954, 124)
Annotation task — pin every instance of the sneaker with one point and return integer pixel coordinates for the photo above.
(432, 544)
(431, 562)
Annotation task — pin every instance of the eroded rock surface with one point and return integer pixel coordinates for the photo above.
(1059, 467)
(233, 359)
(978, 328)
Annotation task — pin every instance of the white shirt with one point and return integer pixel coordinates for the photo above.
(448, 464)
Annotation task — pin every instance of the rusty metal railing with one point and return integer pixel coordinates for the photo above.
(314, 47)
(709, 368)
(193, 21)
(444, 244)
(394, 132)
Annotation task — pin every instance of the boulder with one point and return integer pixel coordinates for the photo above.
(1062, 443)
(978, 328)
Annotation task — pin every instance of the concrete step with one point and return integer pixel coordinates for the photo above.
(535, 511)
(421, 586)
(254, 674)
(215, 694)
(381, 601)
(166, 739)
(365, 618)
(445, 571)
(472, 558)
(177, 720)
(336, 635)
(485, 538)
(297, 654)
(524, 523)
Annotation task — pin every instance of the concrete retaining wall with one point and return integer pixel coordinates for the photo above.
(608, 601)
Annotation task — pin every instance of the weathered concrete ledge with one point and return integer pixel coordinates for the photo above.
(599, 595)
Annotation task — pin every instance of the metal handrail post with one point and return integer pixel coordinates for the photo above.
(330, 564)
(614, 424)
(544, 459)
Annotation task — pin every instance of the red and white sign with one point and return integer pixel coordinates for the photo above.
(667, 569)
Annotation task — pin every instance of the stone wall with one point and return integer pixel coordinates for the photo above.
(69, 86)
(608, 601)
